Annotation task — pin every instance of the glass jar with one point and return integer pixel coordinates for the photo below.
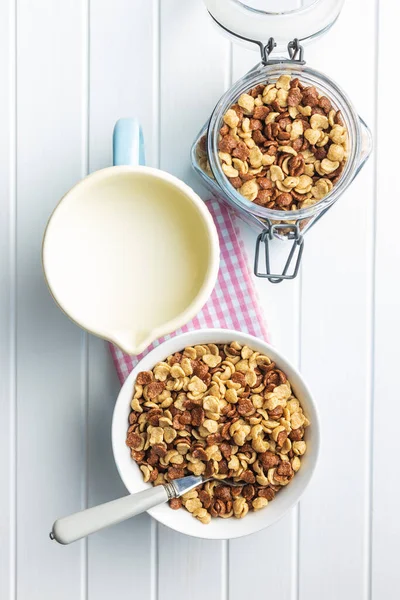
(273, 223)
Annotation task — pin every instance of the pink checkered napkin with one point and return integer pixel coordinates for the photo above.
(234, 302)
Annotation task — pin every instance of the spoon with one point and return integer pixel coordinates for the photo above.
(74, 527)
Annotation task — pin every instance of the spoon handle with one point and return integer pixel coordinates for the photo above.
(76, 526)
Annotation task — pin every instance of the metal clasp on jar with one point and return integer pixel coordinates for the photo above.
(292, 232)
(295, 50)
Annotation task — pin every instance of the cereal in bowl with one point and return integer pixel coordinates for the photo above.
(221, 411)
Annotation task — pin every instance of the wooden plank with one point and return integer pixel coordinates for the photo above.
(119, 555)
(194, 65)
(50, 406)
(276, 299)
(263, 551)
(194, 73)
(185, 562)
(122, 52)
(385, 575)
(7, 300)
(120, 559)
(336, 342)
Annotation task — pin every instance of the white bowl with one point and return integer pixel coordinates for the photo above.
(181, 520)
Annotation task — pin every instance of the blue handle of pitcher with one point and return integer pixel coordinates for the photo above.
(128, 143)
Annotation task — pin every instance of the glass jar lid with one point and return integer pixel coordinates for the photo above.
(284, 20)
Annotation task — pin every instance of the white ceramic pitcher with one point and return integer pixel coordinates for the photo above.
(130, 253)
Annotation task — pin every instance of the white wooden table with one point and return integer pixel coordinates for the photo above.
(68, 70)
